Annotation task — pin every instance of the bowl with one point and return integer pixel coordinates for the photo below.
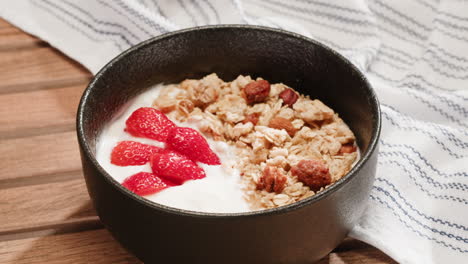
(302, 232)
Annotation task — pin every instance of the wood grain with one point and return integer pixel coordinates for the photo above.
(13, 38)
(4, 23)
(30, 69)
(367, 255)
(97, 247)
(35, 156)
(39, 112)
(34, 206)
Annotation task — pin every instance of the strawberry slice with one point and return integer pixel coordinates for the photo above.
(146, 183)
(175, 167)
(131, 153)
(192, 144)
(150, 123)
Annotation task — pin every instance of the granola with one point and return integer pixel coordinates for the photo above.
(289, 146)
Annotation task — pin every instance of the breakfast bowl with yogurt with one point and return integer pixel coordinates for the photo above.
(232, 144)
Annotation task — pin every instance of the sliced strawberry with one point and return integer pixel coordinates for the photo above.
(146, 183)
(149, 122)
(175, 167)
(192, 144)
(130, 153)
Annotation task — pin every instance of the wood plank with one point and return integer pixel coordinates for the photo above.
(350, 244)
(39, 112)
(45, 155)
(64, 227)
(95, 246)
(12, 38)
(4, 23)
(50, 205)
(31, 69)
(368, 255)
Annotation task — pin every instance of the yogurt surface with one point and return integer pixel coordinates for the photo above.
(219, 192)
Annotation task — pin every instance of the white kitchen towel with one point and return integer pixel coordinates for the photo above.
(414, 52)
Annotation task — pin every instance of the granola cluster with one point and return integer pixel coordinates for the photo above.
(289, 146)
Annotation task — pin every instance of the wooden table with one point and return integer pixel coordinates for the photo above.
(45, 212)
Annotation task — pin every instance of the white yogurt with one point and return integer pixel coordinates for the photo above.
(219, 192)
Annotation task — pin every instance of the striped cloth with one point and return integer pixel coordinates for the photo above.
(414, 53)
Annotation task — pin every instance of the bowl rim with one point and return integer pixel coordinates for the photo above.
(258, 213)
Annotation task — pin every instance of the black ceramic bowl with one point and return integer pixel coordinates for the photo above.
(302, 232)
